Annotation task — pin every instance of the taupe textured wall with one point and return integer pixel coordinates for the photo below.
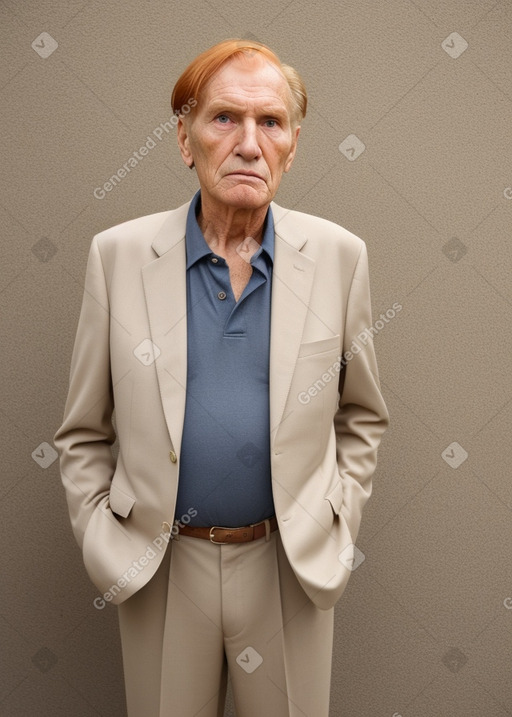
(407, 143)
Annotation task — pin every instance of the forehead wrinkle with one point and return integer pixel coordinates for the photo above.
(263, 90)
(264, 105)
(240, 102)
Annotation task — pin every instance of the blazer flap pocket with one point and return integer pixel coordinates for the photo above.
(335, 497)
(121, 502)
(319, 347)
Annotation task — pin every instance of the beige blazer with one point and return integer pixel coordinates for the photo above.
(130, 354)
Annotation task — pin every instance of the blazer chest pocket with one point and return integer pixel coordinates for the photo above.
(313, 348)
(121, 502)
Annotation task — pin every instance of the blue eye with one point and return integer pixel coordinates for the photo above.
(223, 119)
(271, 123)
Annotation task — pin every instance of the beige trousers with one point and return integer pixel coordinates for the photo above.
(211, 609)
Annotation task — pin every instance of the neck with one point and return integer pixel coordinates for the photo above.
(225, 227)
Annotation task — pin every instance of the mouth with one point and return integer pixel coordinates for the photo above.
(244, 174)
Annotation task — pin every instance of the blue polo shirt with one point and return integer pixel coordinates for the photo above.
(225, 450)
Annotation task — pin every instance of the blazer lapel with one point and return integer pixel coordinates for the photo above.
(165, 288)
(292, 279)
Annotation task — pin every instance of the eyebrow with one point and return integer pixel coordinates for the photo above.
(269, 110)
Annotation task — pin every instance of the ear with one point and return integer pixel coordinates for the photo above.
(184, 142)
(293, 149)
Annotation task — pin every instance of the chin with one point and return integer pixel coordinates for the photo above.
(244, 196)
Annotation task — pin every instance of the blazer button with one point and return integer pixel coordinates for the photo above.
(173, 457)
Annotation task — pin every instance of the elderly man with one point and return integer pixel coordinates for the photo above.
(227, 335)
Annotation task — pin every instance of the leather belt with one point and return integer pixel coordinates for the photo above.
(220, 535)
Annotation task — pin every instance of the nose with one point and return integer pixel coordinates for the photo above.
(247, 145)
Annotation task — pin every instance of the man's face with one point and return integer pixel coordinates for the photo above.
(240, 137)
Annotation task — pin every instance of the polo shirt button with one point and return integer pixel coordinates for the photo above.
(173, 456)
(214, 260)
(221, 295)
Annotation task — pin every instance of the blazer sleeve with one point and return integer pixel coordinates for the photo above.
(362, 417)
(84, 440)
